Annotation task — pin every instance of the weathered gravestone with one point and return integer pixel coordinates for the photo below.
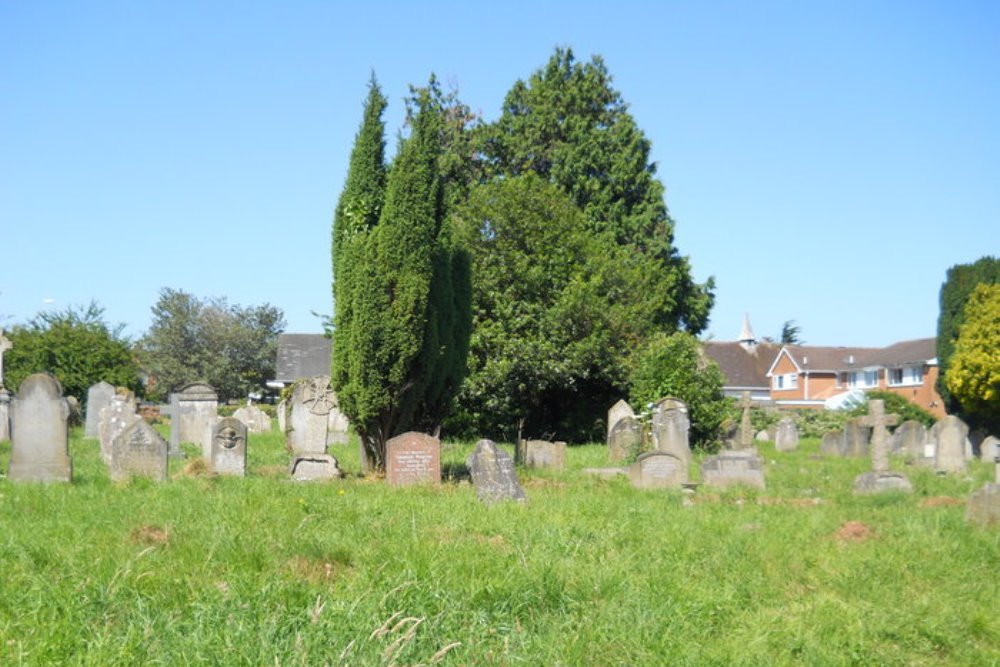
(762, 436)
(493, 474)
(733, 467)
(413, 458)
(658, 470)
(880, 478)
(5, 345)
(989, 449)
(543, 454)
(308, 419)
(786, 439)
(281, 409)
(40, 435)
(337, 426)
(98, 397)
(115, 418)
(229, 447)
(314, 468)
(255, 419)
(745, 434)
(625, 438)
(619, 410)
(4, 414)
(138, 451)
(909, 439)
(951, 434)
(856, 437)
(670, 425)
(983, 507)
(193, 412)
(834, 444)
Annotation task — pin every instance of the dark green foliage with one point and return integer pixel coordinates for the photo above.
(402, 350)
(77, 346)
(676, 366)
(556, 310)
(229, 346)
(791, 333)
(959, 283)
(568, 125)
(895, 404)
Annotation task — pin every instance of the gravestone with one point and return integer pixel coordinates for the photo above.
(5, 345)
(834, 444)
(193, 412)
(543, 454)
(138, 451)
(282, 411)
(493, 474)
(880, 478)
(670, 425)
(255, 419)
(786, 439)
(40, 435)
(619, 410)
(745, 434)
(229, 447)
(762, 436)
(625, 438)
(983, 507)
(337, 427)
(4, 414)
(658, 470)
(115, 418)
(308, 419)
(314, 468)
(733, 467)
(413, 458)
(856, 437)
(989, 449)
(950, 455)
(909, 439)
(98, 397)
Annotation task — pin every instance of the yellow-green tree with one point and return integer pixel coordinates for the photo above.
(974, 375)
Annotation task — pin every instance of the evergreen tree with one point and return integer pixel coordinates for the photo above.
(974, 373)
(960, 281)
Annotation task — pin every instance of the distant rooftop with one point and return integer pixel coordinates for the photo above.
(302, 356)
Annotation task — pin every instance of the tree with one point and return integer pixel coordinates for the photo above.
(791, 333)
(676, 366)
(231, 347)
(568, 125)
(77, 346)
(556, 310)
(401, 353)
(959, 283)
(974, 374)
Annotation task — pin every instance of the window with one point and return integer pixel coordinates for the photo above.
(785, 382)
(861, 379)
(907, 375)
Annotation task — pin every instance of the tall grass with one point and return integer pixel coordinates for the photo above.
(265, 571)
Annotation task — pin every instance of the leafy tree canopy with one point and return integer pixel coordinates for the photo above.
(77, 346)
(974, 374)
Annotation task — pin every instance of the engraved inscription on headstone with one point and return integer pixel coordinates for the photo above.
(658, 470)
(731, 468)
(140, 451)
(413, 458)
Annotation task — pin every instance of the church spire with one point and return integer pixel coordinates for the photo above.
(747, 339)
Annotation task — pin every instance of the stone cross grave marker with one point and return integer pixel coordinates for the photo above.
(950, 453)
(40, 438)
(5, 345)
(229, 447)
(878, 420)
(98, 397)
(670, 425)
(745, 439)
(493, 474)
(138, 451)
(413, 458)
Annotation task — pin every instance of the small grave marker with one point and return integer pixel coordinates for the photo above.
(658, 470)
(413, 458)
(139, 451)
(493, 474)
(229, 447)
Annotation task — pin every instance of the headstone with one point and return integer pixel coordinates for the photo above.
(762, 436)
(138, 451)
(880, 478)
(745, 434)
(4, 414)
(989, 449)
(308, 420)
(909, 439)
(734, 467)
(952, 433)
(493, 474)
(983, 507)
(856, 436)
(229, 447)
(413, 458)
(98, 397)
(40, 437)
(115, 418)
(658, 470)
(193, 412)
(625, 438)
(543, 454)
(619, 410)
(255, 419)
(670, 425)
(834, 444)
(337, 426)
(5, 345)
(314, 468)
(282, 411)
(787, 437)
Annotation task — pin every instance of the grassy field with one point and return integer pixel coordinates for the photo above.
(264, 571)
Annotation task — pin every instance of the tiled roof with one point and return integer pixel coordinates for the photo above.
(815, 358)
(740, 367)
(302, 356)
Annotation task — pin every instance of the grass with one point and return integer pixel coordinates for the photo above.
(263, 571)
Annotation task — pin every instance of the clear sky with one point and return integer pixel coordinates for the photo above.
(826, 162)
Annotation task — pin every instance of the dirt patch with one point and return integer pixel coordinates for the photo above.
(790, 502)
(854, 531)
(941, 501)
(195, 468)
(150, 535)
(314, 570)
(273, 471)
(542, 482)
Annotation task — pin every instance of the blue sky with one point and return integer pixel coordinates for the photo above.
(825, 162)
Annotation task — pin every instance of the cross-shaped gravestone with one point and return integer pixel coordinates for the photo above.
(877, 419)
(746, 429)
(5, 345)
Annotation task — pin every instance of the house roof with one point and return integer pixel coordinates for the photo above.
(834, 359)
(302, 356)
(742, 367)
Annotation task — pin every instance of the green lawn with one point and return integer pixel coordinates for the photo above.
(264, 571)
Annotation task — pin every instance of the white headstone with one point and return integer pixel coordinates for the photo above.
(40, 438)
